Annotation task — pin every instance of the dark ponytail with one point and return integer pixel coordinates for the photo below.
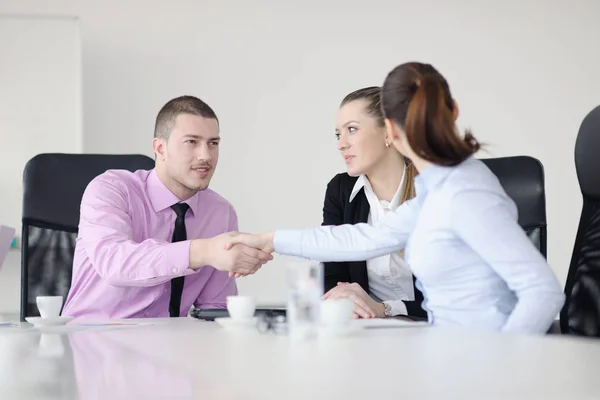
(418, 99)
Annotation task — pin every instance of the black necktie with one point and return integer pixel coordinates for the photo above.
(179, 234)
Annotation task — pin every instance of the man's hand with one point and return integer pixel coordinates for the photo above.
(263, 241)
(217, 252)
(364, 305)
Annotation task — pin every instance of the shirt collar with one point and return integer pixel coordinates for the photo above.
(433, 175)
(162, 198)
(363, 182)
(396, 199)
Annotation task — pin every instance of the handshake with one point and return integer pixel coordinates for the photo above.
(243, 254)
(238, 253)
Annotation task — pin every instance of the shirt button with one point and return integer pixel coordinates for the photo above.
(147, 314)
(174, 270)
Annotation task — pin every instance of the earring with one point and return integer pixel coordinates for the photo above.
(387, 144)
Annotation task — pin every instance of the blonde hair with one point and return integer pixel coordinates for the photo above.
(408, 187)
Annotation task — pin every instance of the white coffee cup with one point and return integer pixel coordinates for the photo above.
(241, 307)
(337, 312)
(49, 306)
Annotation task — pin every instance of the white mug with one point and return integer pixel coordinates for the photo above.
(337, 312)
(49, 306)
(241, 307)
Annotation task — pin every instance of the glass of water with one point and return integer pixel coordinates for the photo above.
(305, 290)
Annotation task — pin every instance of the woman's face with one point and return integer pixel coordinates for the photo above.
(361, 138)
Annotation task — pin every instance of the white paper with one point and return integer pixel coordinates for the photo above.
(374, 323)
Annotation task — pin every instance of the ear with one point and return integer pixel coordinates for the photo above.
(391, 130)
(160, 148)
(456, 110)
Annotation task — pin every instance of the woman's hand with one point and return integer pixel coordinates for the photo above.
(263, 242)
(364, 305)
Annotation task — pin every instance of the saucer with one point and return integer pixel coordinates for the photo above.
(40, 322)
(227, 322)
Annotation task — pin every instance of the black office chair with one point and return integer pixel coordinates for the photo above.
(53, 185)
(522, 177)
(581, 312)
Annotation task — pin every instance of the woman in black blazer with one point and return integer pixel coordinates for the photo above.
(378, 180)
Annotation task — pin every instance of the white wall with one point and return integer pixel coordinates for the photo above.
(523, 72)
(40, 98)
(40, 111)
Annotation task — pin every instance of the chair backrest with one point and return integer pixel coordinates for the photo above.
(522, 177)
(53, 185)
(581, 312)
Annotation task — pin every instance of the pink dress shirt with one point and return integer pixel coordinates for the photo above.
(124, 259)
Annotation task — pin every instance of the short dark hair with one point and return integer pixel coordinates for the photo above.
(417, 97)
(165, 120)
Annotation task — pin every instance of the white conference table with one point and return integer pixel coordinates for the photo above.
(184, 358)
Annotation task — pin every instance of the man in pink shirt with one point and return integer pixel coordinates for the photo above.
(152, 243)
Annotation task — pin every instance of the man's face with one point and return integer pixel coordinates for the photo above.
(191, 152)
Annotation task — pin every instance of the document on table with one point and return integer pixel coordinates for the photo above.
(376, 323)
(100, 325)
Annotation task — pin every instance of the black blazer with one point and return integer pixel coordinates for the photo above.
(337, 210)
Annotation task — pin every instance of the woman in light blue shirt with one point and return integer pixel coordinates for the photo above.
(475, 265)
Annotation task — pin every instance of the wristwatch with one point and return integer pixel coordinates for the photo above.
(387, 309)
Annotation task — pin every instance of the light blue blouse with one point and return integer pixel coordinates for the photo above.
(473, 262)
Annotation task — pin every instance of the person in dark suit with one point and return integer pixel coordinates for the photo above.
(377, 181)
